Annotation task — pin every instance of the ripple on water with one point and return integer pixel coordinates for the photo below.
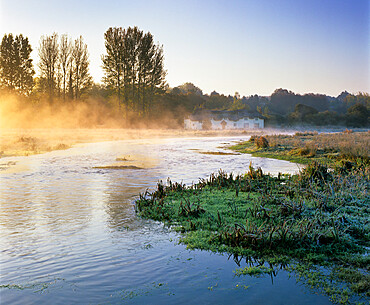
(69, 233)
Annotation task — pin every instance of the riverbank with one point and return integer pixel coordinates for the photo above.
(318, 218)
(24, 142)
(306, 147)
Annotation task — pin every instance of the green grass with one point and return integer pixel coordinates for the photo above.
(319, 217)
(305, 148)
(253, 270)
(279, 153)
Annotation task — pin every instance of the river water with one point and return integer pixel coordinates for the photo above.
(69, 233)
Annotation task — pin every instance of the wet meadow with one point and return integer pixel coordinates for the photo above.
(314, 224)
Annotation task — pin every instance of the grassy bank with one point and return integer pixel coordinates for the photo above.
(305, 147)
(317, 218)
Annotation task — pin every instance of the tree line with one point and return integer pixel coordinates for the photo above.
(287, 108)
(134, 84)
(133, 68)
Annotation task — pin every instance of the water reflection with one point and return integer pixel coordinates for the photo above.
(70, 227)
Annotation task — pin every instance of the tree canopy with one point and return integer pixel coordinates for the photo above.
(134, 68)
(16, 68)
(64, 66)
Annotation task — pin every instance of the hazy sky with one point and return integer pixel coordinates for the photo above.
(250, 46)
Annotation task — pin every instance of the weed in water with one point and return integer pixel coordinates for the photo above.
(318, 216)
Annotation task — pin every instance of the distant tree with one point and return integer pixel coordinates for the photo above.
(364, 98)
(100, 93)
(252, 101)
(283, 101)
(217, 101)
(49, 61)
(16, 69)
(237, 104)
(304, 110)
(301, 113)
(175, 90)
(274, 120)
(357, 116)
(342, 96)
(317, 101)
(266, 112)
(255, 102)
(39, 88)
(360, 98)
(338, 106)
(190, 88)
(324, 118)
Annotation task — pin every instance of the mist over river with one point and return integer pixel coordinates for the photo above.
(69, 233)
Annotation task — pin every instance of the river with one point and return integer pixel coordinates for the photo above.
(69, 233)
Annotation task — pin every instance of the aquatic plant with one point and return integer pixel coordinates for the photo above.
(253, 271)
(319, 215)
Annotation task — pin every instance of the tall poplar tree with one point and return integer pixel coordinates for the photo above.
(65, 51)
(16, 68)
(64, 66)
(49, 61)
(113, 62)
(133, 64)
(80, 67)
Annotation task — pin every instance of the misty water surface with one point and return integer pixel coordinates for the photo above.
(69, 233)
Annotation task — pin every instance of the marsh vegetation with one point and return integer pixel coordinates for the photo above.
(305, 147)
(319, 217)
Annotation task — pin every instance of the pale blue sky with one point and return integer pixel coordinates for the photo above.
(250, 46)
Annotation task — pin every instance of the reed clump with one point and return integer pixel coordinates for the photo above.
(320, 215)
(303, 147)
